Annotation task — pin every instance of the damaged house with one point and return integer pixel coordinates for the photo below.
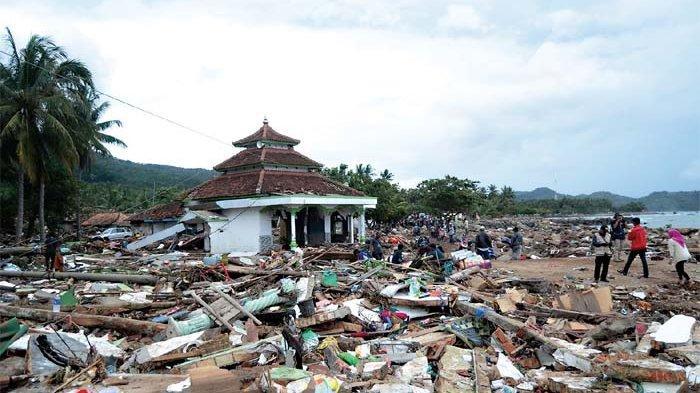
(269, 194)
(157, 218)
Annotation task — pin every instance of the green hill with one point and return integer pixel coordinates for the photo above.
(656, 201)
(132, 174)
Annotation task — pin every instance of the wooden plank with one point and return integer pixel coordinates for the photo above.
(211, 311)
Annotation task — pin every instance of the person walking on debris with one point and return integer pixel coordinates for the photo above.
(51, 245)
(377, 252)
(516, 244)
(451, 233)
(483, 243)
(397, 256)
(679, 254)
(617, 226)
(638, 246)
(601, 246)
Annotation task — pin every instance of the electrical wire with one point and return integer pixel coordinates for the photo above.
(134, 106)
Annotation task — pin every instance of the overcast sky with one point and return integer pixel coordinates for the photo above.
(580, 98)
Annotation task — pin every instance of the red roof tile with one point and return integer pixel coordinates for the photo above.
(160, 212)
(261, 181)
(267, 155)
(106, 219)
(265, 133)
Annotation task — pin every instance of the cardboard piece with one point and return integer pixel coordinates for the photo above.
(594, 300)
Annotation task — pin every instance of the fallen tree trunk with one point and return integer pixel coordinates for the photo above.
(7, 251)
(86, 320)
(559, 313)
(126, 307)
(261, 272)
(123, 278)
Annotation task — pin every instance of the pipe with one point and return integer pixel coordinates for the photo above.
(123, 278)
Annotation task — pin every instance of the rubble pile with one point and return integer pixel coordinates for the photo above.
(316, 320)
(565, 237)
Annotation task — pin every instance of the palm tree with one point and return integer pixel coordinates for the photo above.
(386, 175)
(38, 89)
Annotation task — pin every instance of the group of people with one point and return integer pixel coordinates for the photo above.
(609, 241)
(484, 247)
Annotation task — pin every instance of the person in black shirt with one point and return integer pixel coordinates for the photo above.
(483, 243)
(617, 229)
(397, 256)
(51, 244)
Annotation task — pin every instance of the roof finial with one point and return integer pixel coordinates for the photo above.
(265, 120)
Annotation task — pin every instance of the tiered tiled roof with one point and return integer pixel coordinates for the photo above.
(268, 165)
(262, 181)
(265, 134)
(267, 155)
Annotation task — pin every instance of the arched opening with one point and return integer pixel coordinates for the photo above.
(339, 228)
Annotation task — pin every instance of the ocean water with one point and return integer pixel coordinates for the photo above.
(664, 219)
(674, 220)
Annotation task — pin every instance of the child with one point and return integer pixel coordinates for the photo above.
(679, 254)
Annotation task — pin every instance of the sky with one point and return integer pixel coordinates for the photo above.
(579, 96)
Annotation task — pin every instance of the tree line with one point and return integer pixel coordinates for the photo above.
(451, 194)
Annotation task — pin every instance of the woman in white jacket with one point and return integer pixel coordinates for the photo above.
(679, 255)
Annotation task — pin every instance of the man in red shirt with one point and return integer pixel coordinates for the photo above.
(638, 246)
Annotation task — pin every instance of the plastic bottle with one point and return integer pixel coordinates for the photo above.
(56, 303)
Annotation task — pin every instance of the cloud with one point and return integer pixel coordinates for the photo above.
(581, 98)
(692, 170)
(462, 17)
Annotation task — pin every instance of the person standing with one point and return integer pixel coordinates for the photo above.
(638, 246)
(51, 244)
(483, 243)
(451, 233)
(679, 254)
(617, 227)
(516, 244)
(601, 246)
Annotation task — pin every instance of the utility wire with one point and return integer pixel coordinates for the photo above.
(146, 111)
(134, 106)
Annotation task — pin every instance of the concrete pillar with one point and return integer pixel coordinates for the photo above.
(351, 229)
(327, 225)
(362, 226)
(293, 236)
(306, 226)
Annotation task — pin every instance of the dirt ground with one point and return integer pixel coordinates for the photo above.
(556, 269)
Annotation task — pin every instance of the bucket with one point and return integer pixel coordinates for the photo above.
(307, 307)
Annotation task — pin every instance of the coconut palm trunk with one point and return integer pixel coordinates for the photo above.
(42, 219)
(79, 203)
(20, 204)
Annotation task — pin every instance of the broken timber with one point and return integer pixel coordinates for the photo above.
(86, 320)
(123, 278)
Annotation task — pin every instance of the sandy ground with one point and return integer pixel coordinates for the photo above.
(556, 269)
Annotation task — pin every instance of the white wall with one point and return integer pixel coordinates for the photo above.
(242, 235)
